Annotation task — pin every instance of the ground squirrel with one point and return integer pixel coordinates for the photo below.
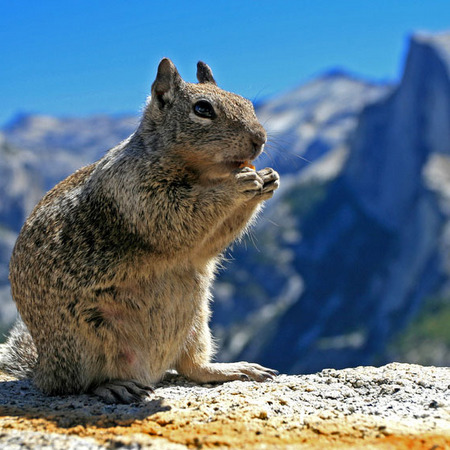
(112, 271)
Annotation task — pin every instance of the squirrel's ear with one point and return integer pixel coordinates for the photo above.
(204, 73)
(167, 81)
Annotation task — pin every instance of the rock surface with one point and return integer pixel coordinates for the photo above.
(395, 406)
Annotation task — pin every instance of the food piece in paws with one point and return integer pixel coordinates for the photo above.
(247, 164)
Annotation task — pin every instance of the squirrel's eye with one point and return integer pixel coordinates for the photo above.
(204, 109)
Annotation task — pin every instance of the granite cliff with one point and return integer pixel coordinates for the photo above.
(358, 254)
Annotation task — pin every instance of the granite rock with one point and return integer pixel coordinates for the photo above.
(394, 406)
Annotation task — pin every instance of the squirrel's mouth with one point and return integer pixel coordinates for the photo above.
(234, 164)
(237, 163)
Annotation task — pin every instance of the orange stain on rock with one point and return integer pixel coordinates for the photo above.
(193, 429)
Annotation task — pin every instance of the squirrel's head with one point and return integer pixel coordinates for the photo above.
(209, 130)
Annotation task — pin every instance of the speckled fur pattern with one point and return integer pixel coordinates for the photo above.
(112, 271)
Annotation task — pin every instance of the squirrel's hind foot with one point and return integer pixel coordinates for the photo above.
(121, 391)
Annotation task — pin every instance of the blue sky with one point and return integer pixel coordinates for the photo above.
(85, 57)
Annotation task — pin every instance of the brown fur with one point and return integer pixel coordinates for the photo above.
(112, 271)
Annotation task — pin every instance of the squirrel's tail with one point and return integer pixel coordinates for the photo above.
(18, 355)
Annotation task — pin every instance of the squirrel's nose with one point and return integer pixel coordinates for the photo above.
(259, 138)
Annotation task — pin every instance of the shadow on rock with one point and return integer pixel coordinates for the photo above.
(19, 398)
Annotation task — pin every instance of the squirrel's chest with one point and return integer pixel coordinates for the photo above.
(160, 308)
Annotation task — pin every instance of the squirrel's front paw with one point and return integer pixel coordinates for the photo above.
(249, 183)
(271, 182)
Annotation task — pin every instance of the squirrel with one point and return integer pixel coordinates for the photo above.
(112, 271)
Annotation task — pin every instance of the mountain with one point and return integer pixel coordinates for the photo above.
(62, 145)
(305, 123)
(309, 130)
(21, 189)
(370, 249)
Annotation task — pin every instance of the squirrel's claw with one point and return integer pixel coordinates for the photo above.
(120, 391)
